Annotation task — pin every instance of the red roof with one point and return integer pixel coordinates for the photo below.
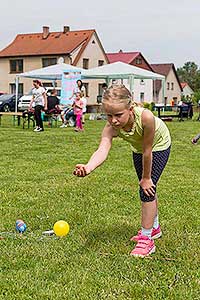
(162, 69)
(125, 57)
(55, 43)
(129, 58)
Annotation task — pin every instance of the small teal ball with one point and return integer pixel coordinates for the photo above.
(20, 226)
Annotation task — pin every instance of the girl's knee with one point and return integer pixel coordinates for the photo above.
(145, 198)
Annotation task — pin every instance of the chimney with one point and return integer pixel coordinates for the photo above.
(66, 29)
(45, 32)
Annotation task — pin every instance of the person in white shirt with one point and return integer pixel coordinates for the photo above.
(78, 88)
(40, 100)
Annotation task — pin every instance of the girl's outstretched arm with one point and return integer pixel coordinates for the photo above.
(100, 155)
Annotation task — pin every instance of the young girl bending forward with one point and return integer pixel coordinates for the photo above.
(150, 142)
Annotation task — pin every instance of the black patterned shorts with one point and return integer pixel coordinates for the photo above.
(159, 161)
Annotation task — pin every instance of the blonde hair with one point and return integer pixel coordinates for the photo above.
(118, 93)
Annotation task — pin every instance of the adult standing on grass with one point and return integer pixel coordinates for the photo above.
(150, 142)
(40, 100)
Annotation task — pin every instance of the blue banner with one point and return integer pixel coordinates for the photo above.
(69, 79)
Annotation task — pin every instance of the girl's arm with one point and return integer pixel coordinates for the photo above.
(31, 103)
(80, 105)
(148, 122)
(100, 155)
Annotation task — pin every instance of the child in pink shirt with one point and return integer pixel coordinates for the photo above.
(78, 111)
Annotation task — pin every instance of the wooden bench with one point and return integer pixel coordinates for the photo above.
(26, 117)
(19, 115)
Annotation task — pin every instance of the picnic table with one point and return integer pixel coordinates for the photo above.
(19, 115)
(179, 111)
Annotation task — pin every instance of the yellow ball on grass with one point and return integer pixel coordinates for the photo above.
(61, 228)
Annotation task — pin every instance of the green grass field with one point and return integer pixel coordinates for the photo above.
(103, 210)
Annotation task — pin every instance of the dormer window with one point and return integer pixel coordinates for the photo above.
(138, 61)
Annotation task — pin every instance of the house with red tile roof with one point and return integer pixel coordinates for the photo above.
(143, 89)
(173, 89)
(132, 58)
(187, 90)
(31, 51)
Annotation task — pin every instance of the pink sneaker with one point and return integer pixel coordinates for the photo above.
(156, 233)
(144, 247)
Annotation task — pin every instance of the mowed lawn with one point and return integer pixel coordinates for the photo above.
(103, 210)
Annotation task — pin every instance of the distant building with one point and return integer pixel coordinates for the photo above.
(173, 89)
(143, 89)
(31, 51)
(187, 90)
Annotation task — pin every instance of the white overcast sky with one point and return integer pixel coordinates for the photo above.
(163, 30)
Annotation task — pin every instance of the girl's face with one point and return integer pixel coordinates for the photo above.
(78, 96)
(118, 114)
(35, 84)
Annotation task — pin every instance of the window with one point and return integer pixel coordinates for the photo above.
(167, 85)
(100, 63)
(85, 63)
(20, 88)
(47, 84)
(16, 65)
(138, 61)
(49, 61)
(141, 97)
(172, 86)
(100, 90)
(86, 85)
(142, 82)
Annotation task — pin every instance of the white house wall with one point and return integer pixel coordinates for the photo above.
(146, 87)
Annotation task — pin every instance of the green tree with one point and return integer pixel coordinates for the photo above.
(191, 74)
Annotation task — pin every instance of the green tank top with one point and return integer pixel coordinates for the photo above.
(162, 139)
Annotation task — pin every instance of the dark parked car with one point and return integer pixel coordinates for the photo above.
(7, 102)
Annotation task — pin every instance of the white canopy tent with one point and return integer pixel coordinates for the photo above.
(53, 73)
(120, 70)
(117, 70)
